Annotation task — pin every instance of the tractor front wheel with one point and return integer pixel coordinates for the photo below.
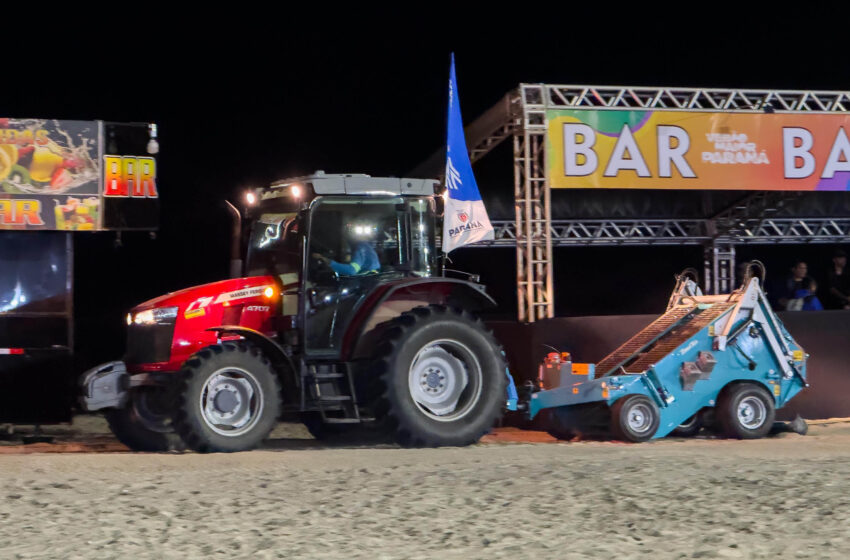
(442, 378)
(229, 398)
(144, 424)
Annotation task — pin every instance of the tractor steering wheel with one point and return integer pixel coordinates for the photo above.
(323, 268)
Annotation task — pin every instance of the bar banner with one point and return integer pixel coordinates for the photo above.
(625, 149)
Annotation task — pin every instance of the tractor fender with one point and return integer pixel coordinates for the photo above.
(272, 350)
(391, 300)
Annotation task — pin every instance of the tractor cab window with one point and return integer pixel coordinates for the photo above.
(354, 245)
(422, 238)
(275, 245)
(359, 237)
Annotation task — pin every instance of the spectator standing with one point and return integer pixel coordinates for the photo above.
(798, 291)
(838, 282)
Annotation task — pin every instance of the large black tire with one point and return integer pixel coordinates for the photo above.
(634, 418)
(420, 358)
(556, 424)
(217, 425)
(690, 427)
(745, 411)
(144, 424)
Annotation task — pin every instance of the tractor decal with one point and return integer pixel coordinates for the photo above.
(241, 294)
(197, 308)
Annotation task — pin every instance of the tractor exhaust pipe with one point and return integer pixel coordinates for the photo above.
(235, 242)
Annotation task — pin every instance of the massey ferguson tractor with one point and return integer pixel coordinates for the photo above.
(343, 318)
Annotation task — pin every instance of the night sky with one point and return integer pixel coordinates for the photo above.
(245, 99)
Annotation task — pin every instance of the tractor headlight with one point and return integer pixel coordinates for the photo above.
(156, 315)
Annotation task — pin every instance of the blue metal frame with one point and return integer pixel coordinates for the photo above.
(748, 356)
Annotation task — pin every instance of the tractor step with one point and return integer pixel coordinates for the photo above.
(332, 392)
(334, 398)
(328, 375)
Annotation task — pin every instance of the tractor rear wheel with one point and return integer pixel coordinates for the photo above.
(442, 378)
(745, 411)
(228, 400)
(634, 418)
(144, 424)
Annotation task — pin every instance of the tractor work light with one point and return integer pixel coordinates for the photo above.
(296, 191)
(250, 198)
(363, 230)
(154, 316)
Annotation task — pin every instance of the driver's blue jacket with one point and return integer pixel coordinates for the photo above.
(364, 259)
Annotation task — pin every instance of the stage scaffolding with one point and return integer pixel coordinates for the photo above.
(521, 114)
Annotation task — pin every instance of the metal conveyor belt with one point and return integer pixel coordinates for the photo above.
(642, 340)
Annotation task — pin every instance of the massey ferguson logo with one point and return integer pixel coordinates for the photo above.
(462, 216)
(241, 294)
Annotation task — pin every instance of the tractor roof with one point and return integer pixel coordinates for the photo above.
(350, 183)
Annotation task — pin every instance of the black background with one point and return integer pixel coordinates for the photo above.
(249, 94)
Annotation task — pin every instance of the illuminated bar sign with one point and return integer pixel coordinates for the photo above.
(60, 175)
(622, 149)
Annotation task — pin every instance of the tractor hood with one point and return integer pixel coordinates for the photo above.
(183, 322)
(200, 297)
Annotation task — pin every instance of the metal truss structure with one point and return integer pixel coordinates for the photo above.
(522, 114)
(685, 99)
(584, 233)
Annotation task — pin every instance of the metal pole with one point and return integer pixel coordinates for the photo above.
(547, 215)
(519, 227)
(235, 242)
(529, 233)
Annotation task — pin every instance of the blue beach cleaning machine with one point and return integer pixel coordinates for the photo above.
(724, 360)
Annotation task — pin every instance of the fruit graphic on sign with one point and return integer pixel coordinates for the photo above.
(59, 212)
(8, 158)
(61, 178)
(44, 163)
(75, 214)
(92, 203)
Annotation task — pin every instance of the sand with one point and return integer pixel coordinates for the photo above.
(782, 497)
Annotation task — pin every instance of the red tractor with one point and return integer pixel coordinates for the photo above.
(343, 318)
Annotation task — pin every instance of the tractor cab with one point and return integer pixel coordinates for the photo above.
(335, 239)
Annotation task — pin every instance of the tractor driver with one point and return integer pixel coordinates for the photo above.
(357, 256)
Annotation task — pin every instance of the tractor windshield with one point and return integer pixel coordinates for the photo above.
(275, 246)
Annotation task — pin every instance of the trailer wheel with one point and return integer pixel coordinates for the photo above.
(552, 423)
(442, 378)
(634, 418)
(144, 424)
(229, 398)
(745, 411)
(689, 427)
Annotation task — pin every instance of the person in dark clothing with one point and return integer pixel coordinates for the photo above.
(838, 282)
(798, 291)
